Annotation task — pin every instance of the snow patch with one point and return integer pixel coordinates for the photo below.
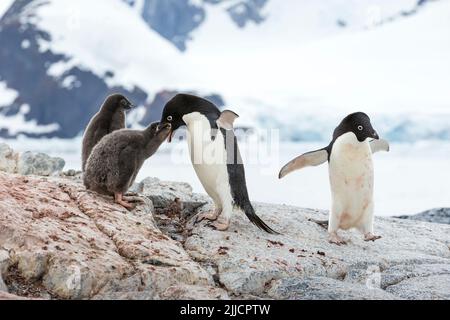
(7, 95)
(4, 6)
(17, 123)
(109, 40)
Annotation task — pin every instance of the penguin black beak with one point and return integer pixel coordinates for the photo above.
(375, 136)
(130, 106)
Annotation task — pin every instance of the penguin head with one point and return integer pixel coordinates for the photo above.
(183, 104)
(117, 102)
(159, 130)
(155, 135)
(358, 123)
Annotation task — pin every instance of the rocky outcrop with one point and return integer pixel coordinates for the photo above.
(64, 242)
(59, 241)
(29, 163)
(440, 215)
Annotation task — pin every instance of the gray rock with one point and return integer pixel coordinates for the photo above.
(435, 287)
(185, 292)
(39, 164)
(248, 260)
(129, 288)
(32, 265)
(3, 287)
(396, 274)
(4, 261)
(164, 193)
(83, 246)
(440, 215)
(8, 159)
(321, 288)
(4, 264)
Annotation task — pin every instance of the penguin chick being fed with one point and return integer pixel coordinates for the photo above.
(109, 118)
(116, 160)
(215, 156)
(351, 175)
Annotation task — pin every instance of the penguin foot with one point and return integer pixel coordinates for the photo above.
(220, 225)
(371, 237)
(211, 216)
(118, 198)
(335, 239)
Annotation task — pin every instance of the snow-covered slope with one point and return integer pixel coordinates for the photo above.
(4, 5)
(105, 36)
(301, 67)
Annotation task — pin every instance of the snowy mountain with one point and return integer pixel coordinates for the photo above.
(297, 65)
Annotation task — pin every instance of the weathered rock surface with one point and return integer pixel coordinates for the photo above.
(440, 215)
(247, 261)
(59, 241)
(29, 163)
(65, 242)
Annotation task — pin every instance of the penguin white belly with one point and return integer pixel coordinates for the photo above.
(351, 180)
(209, 158)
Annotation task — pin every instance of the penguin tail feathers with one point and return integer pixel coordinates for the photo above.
(257, 221)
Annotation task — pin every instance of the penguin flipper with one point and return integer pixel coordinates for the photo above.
(226, 119)
(379, 145)
(310, 159)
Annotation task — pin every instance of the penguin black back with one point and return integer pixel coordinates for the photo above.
(111, 117)
(185, 106)
(238, 184)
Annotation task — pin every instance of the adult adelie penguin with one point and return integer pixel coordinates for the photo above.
(215, 157)
(351, 174)
(109, 118)
(116, 160)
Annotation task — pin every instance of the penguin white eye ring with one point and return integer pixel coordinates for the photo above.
(360, 128)
(169, 118)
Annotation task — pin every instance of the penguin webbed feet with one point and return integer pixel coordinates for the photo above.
(219, 225)
(371, 237)
(118, 198)
(212, 215)
(336, 239)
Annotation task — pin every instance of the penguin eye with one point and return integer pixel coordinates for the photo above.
(169, 118)
(123, 102)
(360, 128)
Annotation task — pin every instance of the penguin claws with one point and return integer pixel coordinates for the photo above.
(371, 237)
(118, 198)
(126, 205)
(211, 216)
(219, 226)
(335, 239)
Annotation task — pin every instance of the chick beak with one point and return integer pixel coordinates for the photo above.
(170, 137)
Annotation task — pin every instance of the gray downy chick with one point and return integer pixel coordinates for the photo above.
(116, 160)
(109, 118)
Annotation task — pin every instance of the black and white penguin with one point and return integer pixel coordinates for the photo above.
(116, 160)
(351, 174)
(215, 157)
(109, 118)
